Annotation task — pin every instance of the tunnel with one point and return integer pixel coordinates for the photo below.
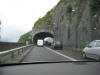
(41, 35)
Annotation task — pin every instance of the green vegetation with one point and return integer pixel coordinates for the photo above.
(75, 3)
(54, 14)
(23, 38)
(69, 8)
(94, 4)
(61, 1)
(80, 48)
(47, 17)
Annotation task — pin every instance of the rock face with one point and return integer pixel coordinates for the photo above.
(74, 28)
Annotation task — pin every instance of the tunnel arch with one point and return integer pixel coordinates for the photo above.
(41, 35)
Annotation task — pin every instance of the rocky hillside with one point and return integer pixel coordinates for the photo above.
(76, 22)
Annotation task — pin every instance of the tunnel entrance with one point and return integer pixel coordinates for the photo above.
(41, 35)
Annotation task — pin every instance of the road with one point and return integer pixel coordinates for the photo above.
(47, 54)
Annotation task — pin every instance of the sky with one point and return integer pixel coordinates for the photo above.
(18, 16)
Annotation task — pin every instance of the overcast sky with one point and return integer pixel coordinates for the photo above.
(18, 16)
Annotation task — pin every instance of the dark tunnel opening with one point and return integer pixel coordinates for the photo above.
(41, 35)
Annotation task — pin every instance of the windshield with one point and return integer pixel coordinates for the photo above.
(49, 30)
(98, 44)
(57, 42)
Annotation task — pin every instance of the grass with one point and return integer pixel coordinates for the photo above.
(80, 49)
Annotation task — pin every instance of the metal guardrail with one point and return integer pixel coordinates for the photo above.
(14, 55)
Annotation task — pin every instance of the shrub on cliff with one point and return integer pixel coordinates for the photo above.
(23, 38)
(94, 4)
(69, 8)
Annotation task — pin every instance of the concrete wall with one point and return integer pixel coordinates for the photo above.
(6, 45)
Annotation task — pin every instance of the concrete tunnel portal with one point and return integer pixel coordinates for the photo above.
(41, 35)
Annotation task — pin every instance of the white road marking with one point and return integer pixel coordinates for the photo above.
(70, 58)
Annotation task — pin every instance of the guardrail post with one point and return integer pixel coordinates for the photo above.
(12, 55)
(18, 52)
(0, 60)
(22, 50)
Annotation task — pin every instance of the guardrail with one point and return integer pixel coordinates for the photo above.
(14, 55)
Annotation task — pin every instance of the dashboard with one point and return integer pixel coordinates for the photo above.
(61, 68)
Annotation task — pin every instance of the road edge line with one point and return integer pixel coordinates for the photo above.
(70, 58)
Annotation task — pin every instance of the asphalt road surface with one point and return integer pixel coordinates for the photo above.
(47, 54)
